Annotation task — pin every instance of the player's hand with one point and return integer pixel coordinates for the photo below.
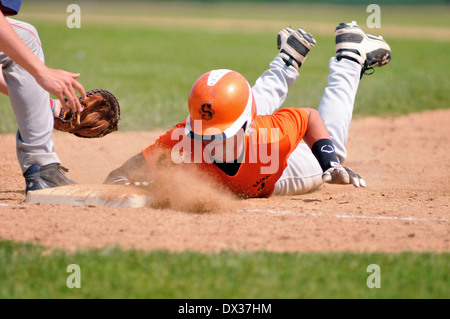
(118, 180)
(115, 179)
(342, 175)
(63, 84)
(134, 171)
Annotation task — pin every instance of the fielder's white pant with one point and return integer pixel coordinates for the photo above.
(303, 173)
(30, 103)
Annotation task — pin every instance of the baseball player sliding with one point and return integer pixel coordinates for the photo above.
(239, 136)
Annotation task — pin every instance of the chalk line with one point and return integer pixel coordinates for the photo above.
(309, 214)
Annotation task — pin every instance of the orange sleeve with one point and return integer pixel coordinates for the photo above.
(292, 122)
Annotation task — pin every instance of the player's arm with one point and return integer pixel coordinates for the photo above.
(319, 141)
(316, 129)
(55, 105)
(137, 168)
(58, 82)
(134, 170)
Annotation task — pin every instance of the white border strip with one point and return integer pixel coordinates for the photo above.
(288, 212)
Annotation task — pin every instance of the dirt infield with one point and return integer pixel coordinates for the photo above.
(404, 160)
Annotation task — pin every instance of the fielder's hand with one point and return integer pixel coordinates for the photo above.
(342, 175)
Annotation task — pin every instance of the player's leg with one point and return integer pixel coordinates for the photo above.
(30, 104)
(271, 88)
(336, 105)
(303, 173)
(356, 52)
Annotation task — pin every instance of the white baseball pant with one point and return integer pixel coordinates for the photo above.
(303, 173)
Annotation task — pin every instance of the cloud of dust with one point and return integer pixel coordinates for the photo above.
(185, 188)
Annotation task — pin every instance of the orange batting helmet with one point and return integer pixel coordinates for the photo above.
(221, 102)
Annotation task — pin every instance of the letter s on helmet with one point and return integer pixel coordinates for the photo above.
(221, 102)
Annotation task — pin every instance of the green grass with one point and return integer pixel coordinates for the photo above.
(151, 68)
(25, 272)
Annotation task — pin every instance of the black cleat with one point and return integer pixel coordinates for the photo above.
(40, 177)
(367, 50)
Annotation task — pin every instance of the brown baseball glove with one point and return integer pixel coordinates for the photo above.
(100, 116)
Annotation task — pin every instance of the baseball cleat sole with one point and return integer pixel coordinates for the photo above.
(366, 49)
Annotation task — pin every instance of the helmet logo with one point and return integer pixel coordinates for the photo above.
(207, 112)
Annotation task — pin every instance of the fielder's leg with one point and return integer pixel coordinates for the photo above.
(30, 104)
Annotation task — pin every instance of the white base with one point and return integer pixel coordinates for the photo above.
(94, 195)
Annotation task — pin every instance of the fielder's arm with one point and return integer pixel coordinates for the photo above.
(54, 104)
(58, 82)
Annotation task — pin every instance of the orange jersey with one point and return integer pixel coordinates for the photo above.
(265, 156)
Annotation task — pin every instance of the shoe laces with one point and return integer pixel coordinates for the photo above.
(367, 70)
(63, 169)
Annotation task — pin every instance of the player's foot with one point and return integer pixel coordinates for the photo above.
(367, 50)
(294, 46)
(40, 177)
